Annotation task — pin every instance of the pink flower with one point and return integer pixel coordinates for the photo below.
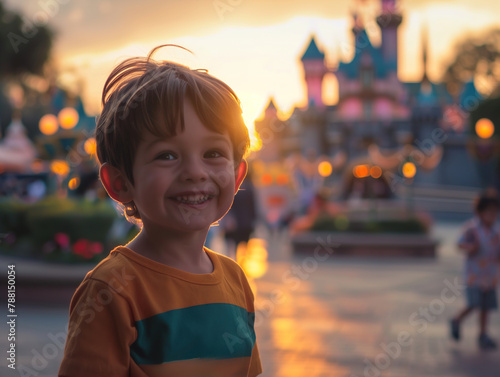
(62, 239)
(87, 249)
(95, 248)
(81, 247)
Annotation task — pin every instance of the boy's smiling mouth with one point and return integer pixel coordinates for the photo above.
(192, 198)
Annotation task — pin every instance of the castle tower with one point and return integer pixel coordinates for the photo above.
(269, 115)
(389, 21)
(271, 110)
(358, 29)
(313, 62)
(271, 131)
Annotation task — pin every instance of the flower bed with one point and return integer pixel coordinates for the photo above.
(56, 229)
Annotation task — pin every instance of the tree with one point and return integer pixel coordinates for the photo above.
(24, 47)
(476, 58)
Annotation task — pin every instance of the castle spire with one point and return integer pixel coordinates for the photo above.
(312, 52)
(425, 48)
(389, 20)
(313, 62)
(271, 110)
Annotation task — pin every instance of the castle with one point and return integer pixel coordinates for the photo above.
(378, 118)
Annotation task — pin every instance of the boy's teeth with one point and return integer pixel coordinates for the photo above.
(192, 199)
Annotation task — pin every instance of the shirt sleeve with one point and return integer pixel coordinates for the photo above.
(100, 333)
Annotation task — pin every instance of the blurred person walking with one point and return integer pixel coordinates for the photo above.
(239, 223)
(480, 240)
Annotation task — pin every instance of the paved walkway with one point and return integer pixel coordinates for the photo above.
(353, 318)
(337, 318)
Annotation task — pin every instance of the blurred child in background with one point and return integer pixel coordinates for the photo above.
(480, 241)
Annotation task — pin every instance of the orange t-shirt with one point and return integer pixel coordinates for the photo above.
(132, 316)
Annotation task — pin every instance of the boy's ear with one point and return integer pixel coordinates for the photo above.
(241, 173)
(115, 183)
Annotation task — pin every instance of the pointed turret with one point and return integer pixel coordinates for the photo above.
(361, 40)
(271, 110)
(389, 21)
(425, 48)
(469, 96)
(312, 52)
(313, 61)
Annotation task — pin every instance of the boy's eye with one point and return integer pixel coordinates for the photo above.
(166, 156)
(213, 154)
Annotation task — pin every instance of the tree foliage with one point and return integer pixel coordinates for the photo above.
(476, 58)
(24, 47)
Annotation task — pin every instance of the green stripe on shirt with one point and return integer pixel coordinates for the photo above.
(215, 331)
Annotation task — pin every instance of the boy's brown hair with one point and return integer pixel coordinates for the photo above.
(146, 94)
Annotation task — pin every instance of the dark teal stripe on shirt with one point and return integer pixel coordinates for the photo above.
(215, 331)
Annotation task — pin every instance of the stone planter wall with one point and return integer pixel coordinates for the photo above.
(366, 244)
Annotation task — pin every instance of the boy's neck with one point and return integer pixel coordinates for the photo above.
(183, 251)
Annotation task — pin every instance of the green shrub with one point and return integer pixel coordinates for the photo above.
(330, 223)
(36, 224)
(13, 217)
(77, 219)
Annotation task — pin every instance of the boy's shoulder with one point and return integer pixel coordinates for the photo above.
(116, 267)
(228, 264)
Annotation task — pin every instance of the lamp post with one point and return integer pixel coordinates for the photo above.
(409, 171)
(484, 147)
(61, 169)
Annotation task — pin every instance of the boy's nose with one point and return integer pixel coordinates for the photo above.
(194, 170)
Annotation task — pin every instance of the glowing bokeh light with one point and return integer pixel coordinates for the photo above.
(325, 169)
(68, 118)
(48, 124)
(361, 171)
(253, 257)
(74, 183)
(409, 169)
(485, 128)
(376, 171)
(254, 268)
(90, 146)
(59, 167)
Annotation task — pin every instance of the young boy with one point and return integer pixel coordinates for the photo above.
(481, 242)
(170, 141)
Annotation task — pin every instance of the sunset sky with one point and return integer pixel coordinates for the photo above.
(253, 45)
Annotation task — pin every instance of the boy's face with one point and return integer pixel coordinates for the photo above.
(185, 182)
(489, 215)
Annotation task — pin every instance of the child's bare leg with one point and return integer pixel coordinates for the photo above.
(455, 322)
(485, 342)
(483, 321)
(464, 313)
